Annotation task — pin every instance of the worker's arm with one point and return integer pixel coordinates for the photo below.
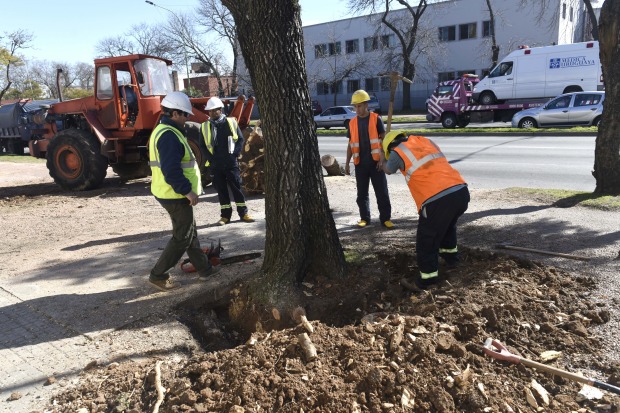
(239, 143)
(381, 131)
(393, 164)
(347, 171)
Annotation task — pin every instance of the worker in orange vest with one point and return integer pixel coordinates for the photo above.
(440, 194)
(365, 133)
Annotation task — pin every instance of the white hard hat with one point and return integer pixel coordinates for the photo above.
(214, 103)
(177, 100)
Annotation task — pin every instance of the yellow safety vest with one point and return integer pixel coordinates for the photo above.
(206, 133)
(373, 135)
(159, 187)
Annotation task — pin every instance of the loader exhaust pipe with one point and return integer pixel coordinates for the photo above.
(58, 72)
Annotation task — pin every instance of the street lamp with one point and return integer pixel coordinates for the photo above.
(189, 84)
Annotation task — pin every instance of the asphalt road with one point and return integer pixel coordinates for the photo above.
(488, 162)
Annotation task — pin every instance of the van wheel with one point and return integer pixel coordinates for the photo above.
(572, 89)
(487, 98)
(448, 120)
(527, 123)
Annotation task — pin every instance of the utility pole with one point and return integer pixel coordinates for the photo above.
(394, 78)
(189, 85)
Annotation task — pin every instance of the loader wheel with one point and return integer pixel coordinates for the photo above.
(448, 120)
(74, 161)
(134, 170)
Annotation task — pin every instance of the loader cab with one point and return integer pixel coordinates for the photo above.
(129, 89)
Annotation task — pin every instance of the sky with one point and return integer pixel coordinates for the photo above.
(68, 30)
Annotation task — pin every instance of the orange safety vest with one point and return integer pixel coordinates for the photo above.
(427, 170)
(375, 142)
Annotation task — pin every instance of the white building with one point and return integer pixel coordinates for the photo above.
(454, 38)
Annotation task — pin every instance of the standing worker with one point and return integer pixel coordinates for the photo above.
(176, 185)
(440, 194)
(222, 142)
(365, 133)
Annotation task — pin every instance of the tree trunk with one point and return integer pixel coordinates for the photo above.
(607, 150)
(592, 17)
(332, 166)
(301, 234)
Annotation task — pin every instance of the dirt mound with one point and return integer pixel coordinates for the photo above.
(382, 348)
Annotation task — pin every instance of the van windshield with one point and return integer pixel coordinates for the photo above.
(503, 69)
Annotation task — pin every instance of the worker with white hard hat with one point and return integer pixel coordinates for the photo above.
(176, 185)
(222, 141)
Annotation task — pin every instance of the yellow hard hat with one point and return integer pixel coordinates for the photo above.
(359, 96)
(389, 138)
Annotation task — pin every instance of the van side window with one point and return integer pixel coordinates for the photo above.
(503, 69)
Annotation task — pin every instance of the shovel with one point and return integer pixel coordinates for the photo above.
(498, 351)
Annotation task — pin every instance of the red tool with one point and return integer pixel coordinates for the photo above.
(498, 351)
(214, 256)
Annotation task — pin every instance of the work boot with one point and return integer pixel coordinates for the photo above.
(451, 259)
(247, 218)
(388, 224)
(223, 221)
(362, 223)
(206, 274)
(164, 285)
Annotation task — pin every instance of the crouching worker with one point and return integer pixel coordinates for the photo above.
(440, 194)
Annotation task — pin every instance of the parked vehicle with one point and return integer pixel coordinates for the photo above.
(374, 105)
(542, 72)
(336, 116)
(570, 109)
(316, 108)
(451, 104)
(80, 138)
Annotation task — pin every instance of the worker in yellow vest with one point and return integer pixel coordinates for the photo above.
(176, 185)
(365, 133)
(441, 196)
(221, 143)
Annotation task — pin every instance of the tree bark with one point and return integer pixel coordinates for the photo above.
(301, 236)
(607, 149)
(592, 17)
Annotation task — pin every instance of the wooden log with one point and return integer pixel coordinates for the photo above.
(331, 165)
(307, 346)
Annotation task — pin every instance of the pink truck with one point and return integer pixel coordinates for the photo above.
(452, 104)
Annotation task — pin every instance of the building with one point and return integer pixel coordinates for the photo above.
(454, 38)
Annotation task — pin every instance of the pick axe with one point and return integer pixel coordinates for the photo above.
(394, 78)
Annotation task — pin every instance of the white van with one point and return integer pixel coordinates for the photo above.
(542, 72)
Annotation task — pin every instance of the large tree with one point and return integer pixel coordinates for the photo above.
(15, 41)
(607, 150)
(301, 236)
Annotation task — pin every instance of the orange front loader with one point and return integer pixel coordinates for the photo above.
(80, 138)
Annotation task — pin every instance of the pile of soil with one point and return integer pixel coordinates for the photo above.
(381, 347)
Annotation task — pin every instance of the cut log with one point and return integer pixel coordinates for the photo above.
(307, 346)
(252, 161)
(332, 166)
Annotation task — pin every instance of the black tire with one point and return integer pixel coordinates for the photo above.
(597, 122)
(74, 160)
(528, 123)
(448, 120)
(487, 98)
(463, 121)
(572, 89)
(134, 170)
(16, 147)
(192, 131)
(326, 127)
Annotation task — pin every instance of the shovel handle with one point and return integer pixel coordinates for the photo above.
(498, 351)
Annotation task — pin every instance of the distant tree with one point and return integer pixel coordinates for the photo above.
(217, 18)
(25, 89)
(44, 73)
(141, 38)
(85, 75)
(592, 18)
(607, 150)
(301, 236)
(494, 46)
(13, 42)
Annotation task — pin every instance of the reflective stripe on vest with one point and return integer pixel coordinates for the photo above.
(427, 170)
(208, 138)
(159, 187)
(373, 135)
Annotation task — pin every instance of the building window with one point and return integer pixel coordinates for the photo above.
(460, 73)
(336, 88)
(444, 76)
(334, 48)
(322, 88)
(564, 10)
(371, 84)
(320, 50)
(447, 33)
(570, 16)
(467, 31)
(352, 46)
(385, 83)
(388, 41)
(487, 30)
(353, 85)
(371, 44)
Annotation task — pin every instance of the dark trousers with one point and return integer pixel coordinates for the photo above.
(184, 238)
(223, 180)
(437, 228)
(366, 172)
